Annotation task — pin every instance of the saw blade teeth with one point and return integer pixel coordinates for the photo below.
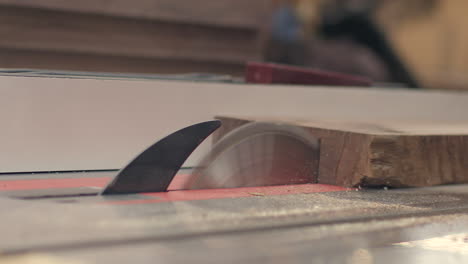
(259, 154)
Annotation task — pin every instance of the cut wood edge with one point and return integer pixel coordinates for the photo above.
(352, 157)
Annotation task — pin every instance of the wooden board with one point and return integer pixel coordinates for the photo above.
(404, 154)
(141, 36)
(232, 13)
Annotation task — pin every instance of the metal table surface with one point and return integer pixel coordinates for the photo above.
(63, 219)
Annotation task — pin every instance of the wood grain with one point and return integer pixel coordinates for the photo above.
(35, 59)
(161, 33)
(232, 13)
(380, 154)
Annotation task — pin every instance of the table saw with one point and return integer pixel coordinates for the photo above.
(258, 191)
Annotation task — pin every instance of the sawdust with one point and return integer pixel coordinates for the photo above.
(34, 258)
(256, 194)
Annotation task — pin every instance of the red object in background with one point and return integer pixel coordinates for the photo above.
(268, 73)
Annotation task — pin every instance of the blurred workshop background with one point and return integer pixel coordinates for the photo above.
(413, 43)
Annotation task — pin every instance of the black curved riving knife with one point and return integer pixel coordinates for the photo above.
(154, 169)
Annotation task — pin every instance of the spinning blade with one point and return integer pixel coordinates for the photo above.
(259, 154)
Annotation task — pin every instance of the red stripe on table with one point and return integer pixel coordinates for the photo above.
(15, 185)
(61, 183)
(207, 194)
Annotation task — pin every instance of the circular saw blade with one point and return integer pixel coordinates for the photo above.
(259, 154)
